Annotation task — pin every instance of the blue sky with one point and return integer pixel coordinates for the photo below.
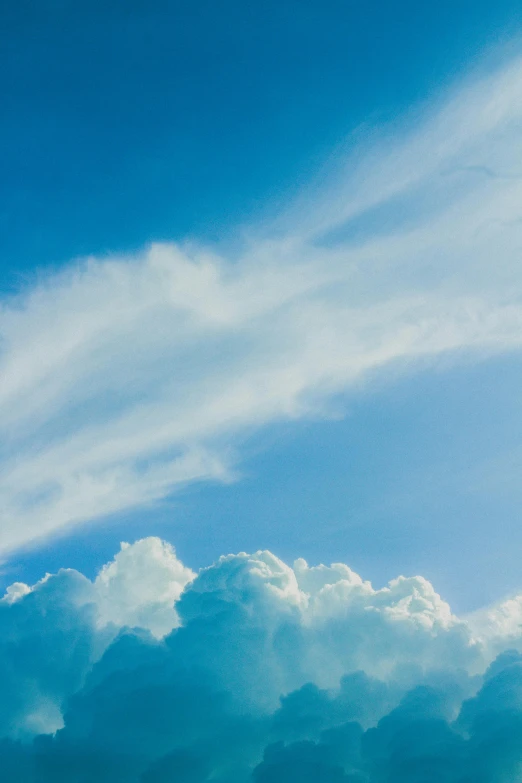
(420, 476)
(126, 122)
(246, 130)
(260, 409)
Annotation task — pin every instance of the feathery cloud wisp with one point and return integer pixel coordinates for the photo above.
(123, 378)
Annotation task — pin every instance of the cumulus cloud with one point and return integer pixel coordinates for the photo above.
(123, 378)
(141, 586)
(264, 672)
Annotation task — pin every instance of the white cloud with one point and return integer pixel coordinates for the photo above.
(124, 378)
(141, 586)
(250, 626)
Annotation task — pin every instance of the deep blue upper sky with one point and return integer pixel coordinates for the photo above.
(128, 122)
(124, 122)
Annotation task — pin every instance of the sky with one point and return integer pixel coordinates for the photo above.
(261, 292)
(244, 133)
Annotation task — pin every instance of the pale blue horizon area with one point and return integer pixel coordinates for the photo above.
(420, 476)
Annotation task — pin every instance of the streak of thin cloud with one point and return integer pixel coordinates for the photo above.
(124, 378)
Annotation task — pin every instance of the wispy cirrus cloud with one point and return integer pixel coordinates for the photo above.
(122, 378)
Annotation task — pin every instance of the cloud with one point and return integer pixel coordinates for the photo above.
(140, 587)
(52, 632)
(123, 378)
(269, 673)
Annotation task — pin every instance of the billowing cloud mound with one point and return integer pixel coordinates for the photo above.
(253, 671)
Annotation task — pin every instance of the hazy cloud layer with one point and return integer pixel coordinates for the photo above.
(261, 672)
(123, 378)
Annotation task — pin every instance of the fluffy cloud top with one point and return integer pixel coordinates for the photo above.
(122, 378)
(252, 670)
